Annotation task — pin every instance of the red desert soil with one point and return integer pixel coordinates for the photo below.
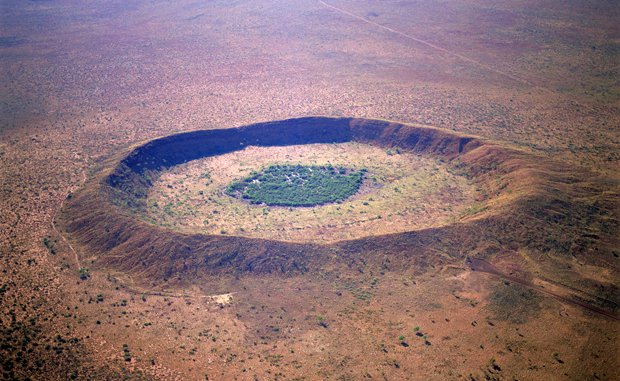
(83, 83)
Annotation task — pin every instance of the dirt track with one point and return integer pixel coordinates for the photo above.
(438, 48)
(481, 265)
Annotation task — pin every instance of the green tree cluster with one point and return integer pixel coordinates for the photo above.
(298, 185)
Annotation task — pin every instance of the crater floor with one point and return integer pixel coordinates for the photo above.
(402, 192)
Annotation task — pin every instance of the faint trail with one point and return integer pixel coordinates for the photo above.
(438, 48)
(170, 294)
(481, 265)
(62, 237)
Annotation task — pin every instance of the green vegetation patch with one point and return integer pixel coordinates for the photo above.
(514, 302)
(298, 185)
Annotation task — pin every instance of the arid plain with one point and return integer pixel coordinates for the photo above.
(84, 83)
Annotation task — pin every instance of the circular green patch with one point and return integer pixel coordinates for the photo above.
(298, 185)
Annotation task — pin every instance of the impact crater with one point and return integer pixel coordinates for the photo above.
(467, 197)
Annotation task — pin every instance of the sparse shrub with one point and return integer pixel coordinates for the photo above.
(84, 273)
(49, 244)
(126, 353)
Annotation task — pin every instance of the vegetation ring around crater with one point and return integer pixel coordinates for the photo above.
(298, 185)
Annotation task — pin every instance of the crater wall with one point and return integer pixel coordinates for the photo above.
(531, 203)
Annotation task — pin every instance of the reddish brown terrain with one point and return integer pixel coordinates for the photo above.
(518, 101)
